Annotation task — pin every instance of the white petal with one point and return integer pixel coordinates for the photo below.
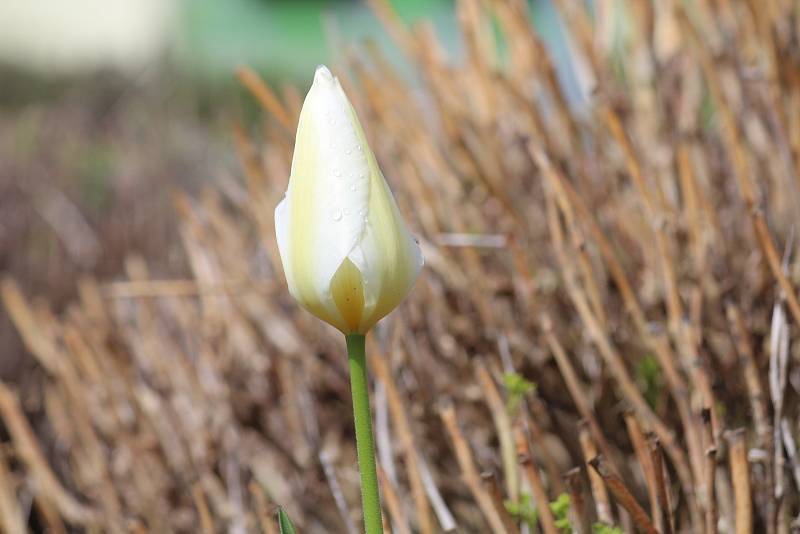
(282, 235)
(338, 208)
(387, 255)
(340, 193)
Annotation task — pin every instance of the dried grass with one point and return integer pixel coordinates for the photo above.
(567, 243)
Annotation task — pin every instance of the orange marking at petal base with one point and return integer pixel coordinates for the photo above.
(347, 289)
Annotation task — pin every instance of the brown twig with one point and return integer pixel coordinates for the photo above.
(623, 495)
(28, 450)
(612, 357)
(336, 491)
(502, 422)
(535, 482)
(576, 389)
(662, 491)
(758, 407)
(648, 470)
(580, 519)
(265, 522)
(489, 480)
(393, 504)
(469, 472)
(403, 428)
(598, 486)
(11, 519)
(740, 474)
(265, 96)
(710, 477)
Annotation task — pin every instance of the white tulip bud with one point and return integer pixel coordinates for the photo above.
(346, 252)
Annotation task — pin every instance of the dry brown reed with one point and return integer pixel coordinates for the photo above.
(621, 249)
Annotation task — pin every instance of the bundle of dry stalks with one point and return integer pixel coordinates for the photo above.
(630, 254)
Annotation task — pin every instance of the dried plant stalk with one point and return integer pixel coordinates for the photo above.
(502, 422)
(469, 472)
(623, 495)
(535, 482)
(592, 211)
(11, 518)
(393, 504)
(599, 491)
(740, 474)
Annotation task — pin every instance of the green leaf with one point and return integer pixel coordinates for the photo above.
(523, 510)
(560, 509)
(285, 523)
(517, 386)
(648, 374)
(560, 506)
(602, 528)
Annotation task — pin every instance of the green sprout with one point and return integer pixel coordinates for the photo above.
(648, 374)
(602, 528)
(517, 386)
(560, 509)
(285, 523)
(525, 511)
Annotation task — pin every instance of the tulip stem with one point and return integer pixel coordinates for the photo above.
(359, 386)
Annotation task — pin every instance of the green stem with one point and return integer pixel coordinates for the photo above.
(359, 386)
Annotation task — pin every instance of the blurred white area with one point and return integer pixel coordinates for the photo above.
(76, 36)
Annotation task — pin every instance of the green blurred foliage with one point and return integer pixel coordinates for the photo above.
(523, 511)
(526, 512)
(648, 375)
(517, 386)
(284, 40)
(602, 528)
(560, 509)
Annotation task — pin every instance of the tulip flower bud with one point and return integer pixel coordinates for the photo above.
(346, 252)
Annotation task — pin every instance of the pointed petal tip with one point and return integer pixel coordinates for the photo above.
(323, 75)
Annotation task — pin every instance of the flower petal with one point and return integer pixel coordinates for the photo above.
(348, 257)
(282, 235)
(387, 256)
(347, 289)
(328, 194)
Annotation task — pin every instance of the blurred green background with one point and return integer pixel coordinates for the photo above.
(206, 39)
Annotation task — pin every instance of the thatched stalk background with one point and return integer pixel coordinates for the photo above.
(629, 251)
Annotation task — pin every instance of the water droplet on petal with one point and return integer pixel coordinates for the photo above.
(359, 148)
(337, 172)
(347, 211)
(337, 215)
(348, 151)
(353, 187)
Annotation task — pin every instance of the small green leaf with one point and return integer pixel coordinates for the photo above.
(648, 374)
(560, 509)
(285, 523)
(602, 528)
(523, 510)
(517, 386)
(560, 506)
